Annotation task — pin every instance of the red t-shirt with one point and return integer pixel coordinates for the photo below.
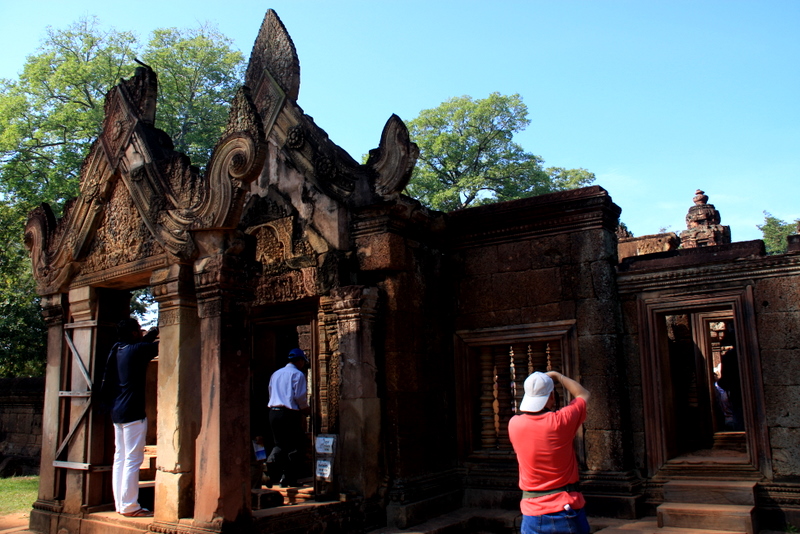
(543, 444)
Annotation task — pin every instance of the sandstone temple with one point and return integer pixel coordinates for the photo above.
(421, 327)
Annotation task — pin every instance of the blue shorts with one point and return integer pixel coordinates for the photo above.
(566, 522)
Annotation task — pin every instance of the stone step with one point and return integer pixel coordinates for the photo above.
(710, 492)
(651, 527)
(726, 517)
(104, 522)
(472, 520)
(266, 498)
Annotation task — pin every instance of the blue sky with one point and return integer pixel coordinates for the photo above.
(657, 98)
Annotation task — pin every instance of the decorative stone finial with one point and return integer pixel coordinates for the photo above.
(703, 228)
(700, 197)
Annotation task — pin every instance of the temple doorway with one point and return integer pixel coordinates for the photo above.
(703, 395)
(274, 334)
(702, 386)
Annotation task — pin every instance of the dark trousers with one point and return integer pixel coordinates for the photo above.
(288, 451)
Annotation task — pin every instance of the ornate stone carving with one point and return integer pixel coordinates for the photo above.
(274, 52)
(394, 159)
(237, 161)
(163, 199)
(703, 225)
(121, 237)
(296, 137)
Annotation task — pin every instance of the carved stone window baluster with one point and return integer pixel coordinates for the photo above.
(488, 434)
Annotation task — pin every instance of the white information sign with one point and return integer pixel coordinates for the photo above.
(323, 469)
(325, 444)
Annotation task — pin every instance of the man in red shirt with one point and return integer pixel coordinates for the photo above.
(548, 470)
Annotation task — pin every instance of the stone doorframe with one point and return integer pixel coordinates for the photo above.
(740, 302)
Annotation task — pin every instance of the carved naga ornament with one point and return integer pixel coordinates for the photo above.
(273, 73)
(171, 199)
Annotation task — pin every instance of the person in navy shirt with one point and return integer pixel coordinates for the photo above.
(126, 372)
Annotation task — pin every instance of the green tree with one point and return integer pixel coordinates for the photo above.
(775, 231)
(22, 329)
(468, 156)
(198, 74)
(52, 113)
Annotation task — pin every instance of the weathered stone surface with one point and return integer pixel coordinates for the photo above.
(593, 245)
(514, 256)
(598, 354)
(786, 450)
(550, 251)
(546, 312)
(604, 450)
(604, 412)
(382, 252)
(780, 367)
(604, 280)
(481, 261)
(774, 295)
(779, 331)
(647, 244)
(597, 316)
(783, 406)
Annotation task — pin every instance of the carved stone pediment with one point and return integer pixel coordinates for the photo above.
(133, 180)
(274, 65)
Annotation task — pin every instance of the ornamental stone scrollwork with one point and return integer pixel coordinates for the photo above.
(160, 201)
(394, 159)
(237, 160)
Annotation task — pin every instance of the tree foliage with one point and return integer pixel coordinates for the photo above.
(775, 232)
(22, 330)
(49, 117)
(51, 114)
(198, 74)
(468, 156)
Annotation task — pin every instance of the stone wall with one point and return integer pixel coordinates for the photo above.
(21, 402)
(546, 266)
(778, 318)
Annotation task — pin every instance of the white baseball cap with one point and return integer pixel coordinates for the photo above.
(538, 387)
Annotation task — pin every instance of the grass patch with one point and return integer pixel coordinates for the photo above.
(17, 494)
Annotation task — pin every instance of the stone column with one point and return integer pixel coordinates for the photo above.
(178, 386)
(222, 469)
(53, 312)
(359, 406)
(82, 330)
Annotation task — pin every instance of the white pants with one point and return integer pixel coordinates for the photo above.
(129, 442)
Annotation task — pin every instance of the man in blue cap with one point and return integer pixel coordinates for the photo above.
(288, 407)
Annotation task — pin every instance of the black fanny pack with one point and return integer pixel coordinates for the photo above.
(535, 494)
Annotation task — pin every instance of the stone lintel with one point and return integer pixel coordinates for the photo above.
(694, 256)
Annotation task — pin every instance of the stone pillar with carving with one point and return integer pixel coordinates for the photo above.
(359, 406)
(53, 309)
(222, 466)
(178, 384)
(703, 228)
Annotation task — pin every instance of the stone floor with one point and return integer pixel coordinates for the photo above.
(18, 524)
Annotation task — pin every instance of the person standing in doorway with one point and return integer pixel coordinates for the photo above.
(125, 376)
(288, 407)
(542, 438)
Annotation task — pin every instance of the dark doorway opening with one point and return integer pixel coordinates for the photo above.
(703, 393)
(275, 332)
